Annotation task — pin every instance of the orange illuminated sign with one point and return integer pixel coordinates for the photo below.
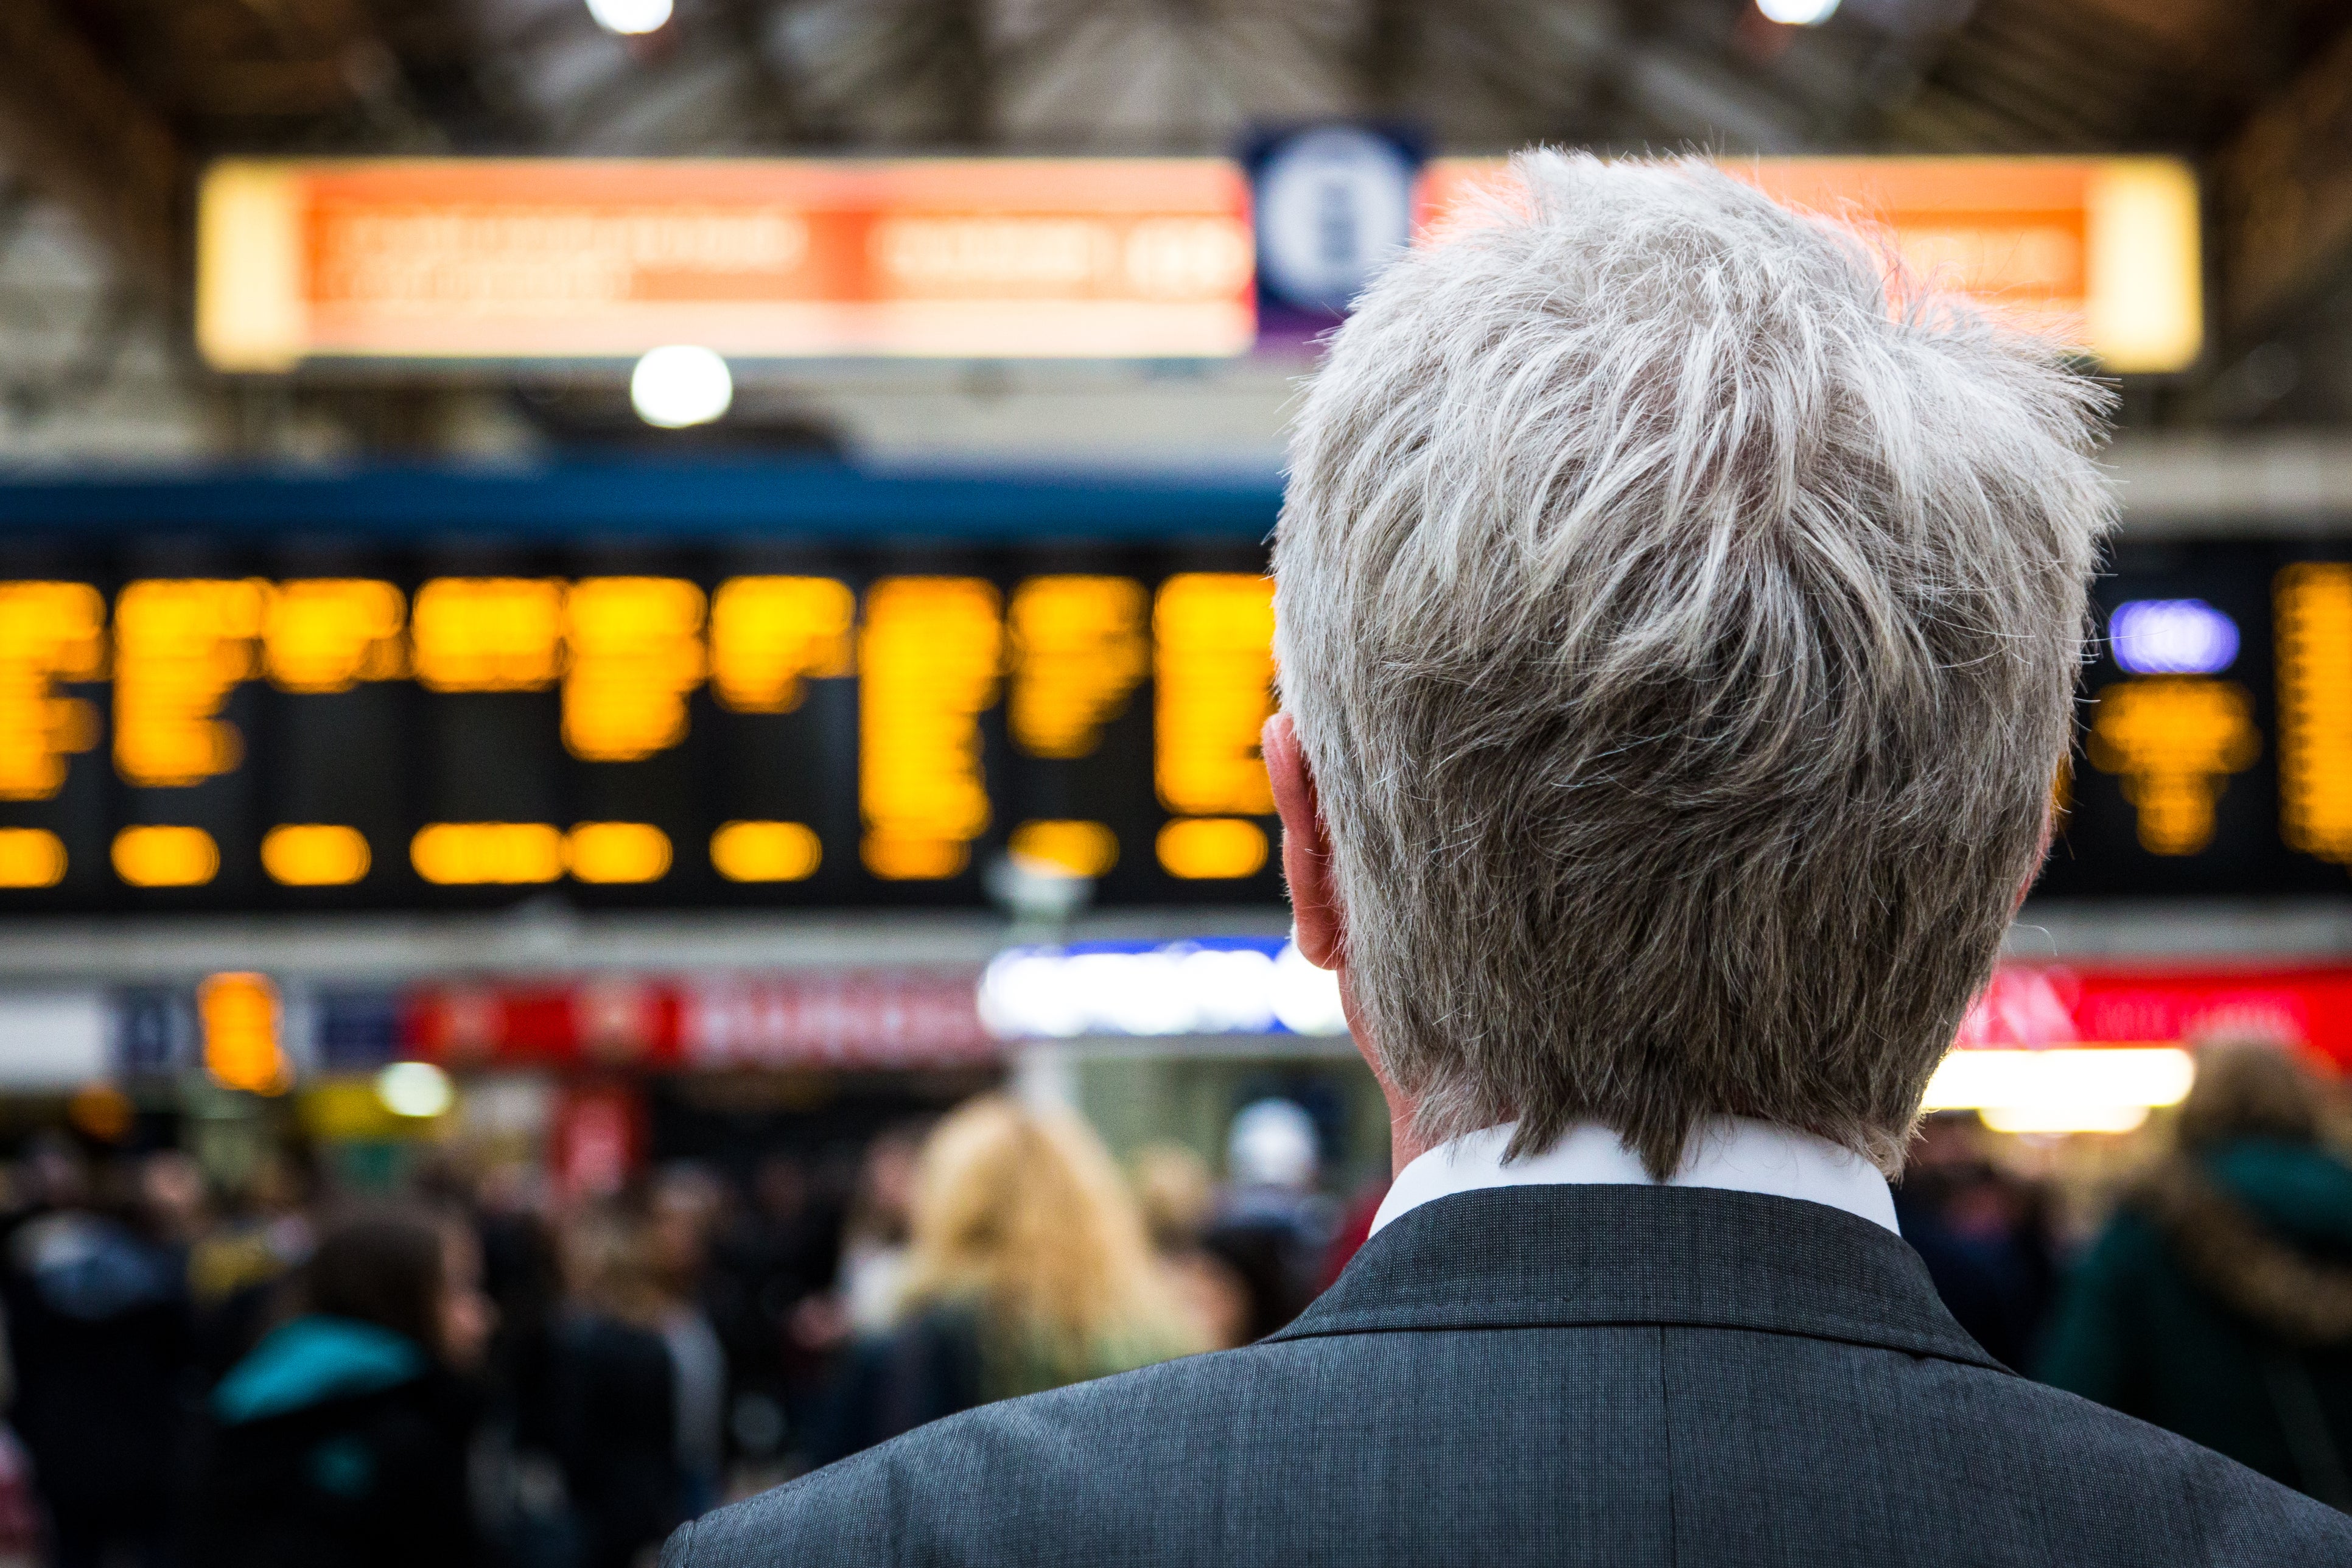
(50, 632)
(929, 661)
(1078, 651)
(180, 646)
(2103, 251)
(489, 258)
(2311, 613)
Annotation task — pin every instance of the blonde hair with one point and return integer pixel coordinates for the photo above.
(1020, 1214)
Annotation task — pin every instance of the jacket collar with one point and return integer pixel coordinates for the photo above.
(1558, 1257)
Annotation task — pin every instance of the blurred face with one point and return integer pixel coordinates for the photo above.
(676, 1239)
(467, 1315)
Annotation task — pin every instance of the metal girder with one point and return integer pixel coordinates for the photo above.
(2284, 189)
(69, 126)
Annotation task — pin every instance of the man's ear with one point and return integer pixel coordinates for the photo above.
(1319, 921)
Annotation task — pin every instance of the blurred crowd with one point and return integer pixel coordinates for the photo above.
(486, 1371)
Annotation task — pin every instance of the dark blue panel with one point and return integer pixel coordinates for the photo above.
(775, 498)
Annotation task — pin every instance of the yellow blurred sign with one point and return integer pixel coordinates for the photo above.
(2311, 613)
(240, 1017)
(2103, 251)
(929, 660)
(162, 857)
(315, 855)
(50, 632)
(634, 651)
(1214, 676)
(2175, 740)
(180, 646)
(489, 634)
(328, 634)
(1078, 652)
(771, 636)
(766, 851)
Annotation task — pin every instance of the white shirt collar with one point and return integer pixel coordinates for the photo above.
(1731, 1152)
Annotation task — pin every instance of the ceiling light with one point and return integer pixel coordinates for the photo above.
(1789, 13)
(632, 17)
(680, 385)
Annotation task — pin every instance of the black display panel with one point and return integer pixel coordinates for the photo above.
(757, 724)
(338, 725)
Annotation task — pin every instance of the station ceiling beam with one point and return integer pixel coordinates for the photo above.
(2284, 189)
(70, 127)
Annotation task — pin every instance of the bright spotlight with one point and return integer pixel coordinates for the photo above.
(629, 15)
(682, 386)
(1787, 13)
(414, 1089)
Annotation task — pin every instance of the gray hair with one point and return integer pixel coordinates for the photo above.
(1681, 621)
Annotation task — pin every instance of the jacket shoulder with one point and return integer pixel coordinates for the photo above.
(2121, 1474)
(988, 1485)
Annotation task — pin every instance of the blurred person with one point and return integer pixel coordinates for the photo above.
(616, 1390)
(238, 1264)
(1028, 1269)
(1984, 1235)
(1178, 1199)
(1677, 632)
(101, 1348)
(775, 1251)
(685, 1206)
(1272, 1226)
(342, 1439)
(873, 1244)
(2218, 1303)
(519, 1479)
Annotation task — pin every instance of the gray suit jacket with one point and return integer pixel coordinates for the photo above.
(1609, 1375)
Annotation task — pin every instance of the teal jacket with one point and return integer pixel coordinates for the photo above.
(311, 1360)
(2218, 1304)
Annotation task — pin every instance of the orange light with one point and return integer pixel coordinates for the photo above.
(2312, 609)
(766, 851)
(2103, 251)
(328, 634)
(479, 257)
(314, 855)
(1214, 674)
(636, 652)
(103, 1112)
(1078, 651)
(898, 859)
(1211, 848)
(470, 854)
(489, 634)
(2175, 740)
(180, 647)
(1075, 849)
(239, 1015)
(617, 852)
(31, 858)
(165, 856)
(50, 632)
(929, 661)
(770, 636)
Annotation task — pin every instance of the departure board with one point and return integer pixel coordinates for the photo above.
(356, 724)
(2215, 753)
(344, 728)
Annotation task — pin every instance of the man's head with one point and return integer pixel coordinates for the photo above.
(1680, 638)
